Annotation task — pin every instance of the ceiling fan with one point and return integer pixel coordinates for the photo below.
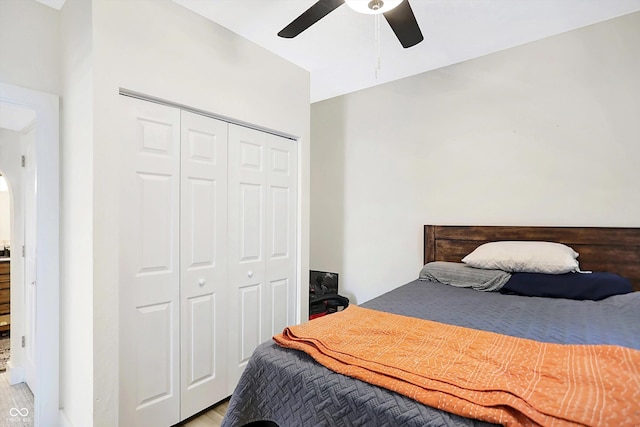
(398, 14)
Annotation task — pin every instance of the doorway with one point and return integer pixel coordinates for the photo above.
(45, 250)
(16, 130)
(19, 407)
(5, 271)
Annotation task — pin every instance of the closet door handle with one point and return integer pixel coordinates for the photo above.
(201, 282)
(249, 273)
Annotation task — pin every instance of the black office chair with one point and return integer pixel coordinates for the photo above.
(326, 304)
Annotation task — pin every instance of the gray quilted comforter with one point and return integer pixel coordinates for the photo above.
(288, 387)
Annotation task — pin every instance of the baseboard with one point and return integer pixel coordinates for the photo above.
(15, 374)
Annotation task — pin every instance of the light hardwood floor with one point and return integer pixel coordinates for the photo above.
(211, 418)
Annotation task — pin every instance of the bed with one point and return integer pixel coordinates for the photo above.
(289, 388)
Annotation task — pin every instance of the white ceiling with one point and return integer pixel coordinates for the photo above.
(340, 52)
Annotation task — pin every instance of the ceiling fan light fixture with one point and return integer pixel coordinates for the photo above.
(372, 7)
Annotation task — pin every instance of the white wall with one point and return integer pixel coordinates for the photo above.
(29, 45)
(542, 134)
(158, 48)
(76, 243)
(30, 58)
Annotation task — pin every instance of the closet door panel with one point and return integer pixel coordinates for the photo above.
(203, 246)
(250, 320)
(263, 180)
(251, 222)
(280, 305)
(154, 358)
(247, 201)
(281, 233)
(149, 264)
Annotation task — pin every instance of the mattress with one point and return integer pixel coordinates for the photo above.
(289, 388)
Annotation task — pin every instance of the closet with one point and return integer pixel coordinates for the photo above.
(207, 256)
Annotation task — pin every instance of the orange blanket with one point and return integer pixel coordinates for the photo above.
(477, 374)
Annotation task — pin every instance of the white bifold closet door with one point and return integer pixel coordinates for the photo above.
(173, 265)
(203, 277)
(262, 240)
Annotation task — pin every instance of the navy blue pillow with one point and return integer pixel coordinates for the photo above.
(579, 286)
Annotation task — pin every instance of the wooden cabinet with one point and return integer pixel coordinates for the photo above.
(5, 295)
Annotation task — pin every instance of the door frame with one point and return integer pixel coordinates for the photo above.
(47, 339)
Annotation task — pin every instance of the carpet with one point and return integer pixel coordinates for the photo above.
(4, 353)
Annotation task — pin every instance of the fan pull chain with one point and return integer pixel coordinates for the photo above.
(377, 42)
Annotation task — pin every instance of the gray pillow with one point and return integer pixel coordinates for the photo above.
(464, 276)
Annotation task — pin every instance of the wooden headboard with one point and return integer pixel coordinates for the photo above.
(611, 249)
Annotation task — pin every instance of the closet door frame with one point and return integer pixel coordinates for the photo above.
(291, 289)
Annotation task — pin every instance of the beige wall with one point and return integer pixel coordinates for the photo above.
(542, 134)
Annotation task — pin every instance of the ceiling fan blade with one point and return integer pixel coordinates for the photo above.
(309, 17)
(403, 23)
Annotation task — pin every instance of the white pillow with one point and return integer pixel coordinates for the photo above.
(528, 257)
